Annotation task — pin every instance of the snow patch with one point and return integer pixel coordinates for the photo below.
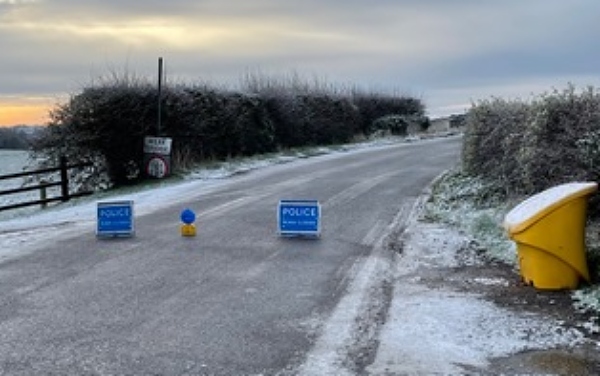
(427, 244)
(437, 330)
(491, 281)
(544, 200)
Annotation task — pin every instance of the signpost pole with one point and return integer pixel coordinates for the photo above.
(160, 74)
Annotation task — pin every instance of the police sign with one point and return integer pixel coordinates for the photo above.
(115, 219)
(299, 217)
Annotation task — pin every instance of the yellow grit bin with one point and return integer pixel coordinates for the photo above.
(549, 231)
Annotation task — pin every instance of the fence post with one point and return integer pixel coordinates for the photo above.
(64, 179)
(43, 194)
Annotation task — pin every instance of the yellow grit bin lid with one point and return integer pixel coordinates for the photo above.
(543, 203)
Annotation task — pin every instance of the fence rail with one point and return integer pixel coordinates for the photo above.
(65, 195)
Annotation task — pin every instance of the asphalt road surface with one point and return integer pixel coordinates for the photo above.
(237, 299)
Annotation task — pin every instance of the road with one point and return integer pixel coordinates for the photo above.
(234, 300)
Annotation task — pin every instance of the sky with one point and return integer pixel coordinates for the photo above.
(449, 53)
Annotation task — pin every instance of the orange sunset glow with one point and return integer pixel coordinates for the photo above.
(23, 114)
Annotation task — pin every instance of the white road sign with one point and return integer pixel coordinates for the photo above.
(157, 145)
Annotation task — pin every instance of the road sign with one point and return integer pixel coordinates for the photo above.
(157, 145)
(157, 156)
(115, 219)
(299, 217)
(157, 166)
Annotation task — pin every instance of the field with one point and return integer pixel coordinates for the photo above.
(13, 161)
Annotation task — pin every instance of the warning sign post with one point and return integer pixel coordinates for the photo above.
(157, 156)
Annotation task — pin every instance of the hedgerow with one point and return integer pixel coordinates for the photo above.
(492, 142)
(105, 125)
(525, 147)
(107, 121)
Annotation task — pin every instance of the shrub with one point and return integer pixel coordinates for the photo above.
(213, 124)
(394, 124)
(306, 112)
(528, 147)
(103, 124)
(375, 106)
(400, 125)
(493, 138)
(560, 124)
(303, 120)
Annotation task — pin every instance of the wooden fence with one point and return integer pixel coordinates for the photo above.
(65, 195)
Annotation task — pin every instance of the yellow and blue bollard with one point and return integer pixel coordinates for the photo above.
(188, 228)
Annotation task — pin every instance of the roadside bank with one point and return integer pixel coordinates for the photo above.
(455, 311)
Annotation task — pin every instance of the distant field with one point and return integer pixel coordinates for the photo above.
(12, 161)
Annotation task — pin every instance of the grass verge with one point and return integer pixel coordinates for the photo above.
(477, 208)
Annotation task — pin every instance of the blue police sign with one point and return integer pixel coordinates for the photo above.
(299, 217)
(115, 218)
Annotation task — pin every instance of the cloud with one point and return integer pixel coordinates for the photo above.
(425, 46)
(17, 2)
